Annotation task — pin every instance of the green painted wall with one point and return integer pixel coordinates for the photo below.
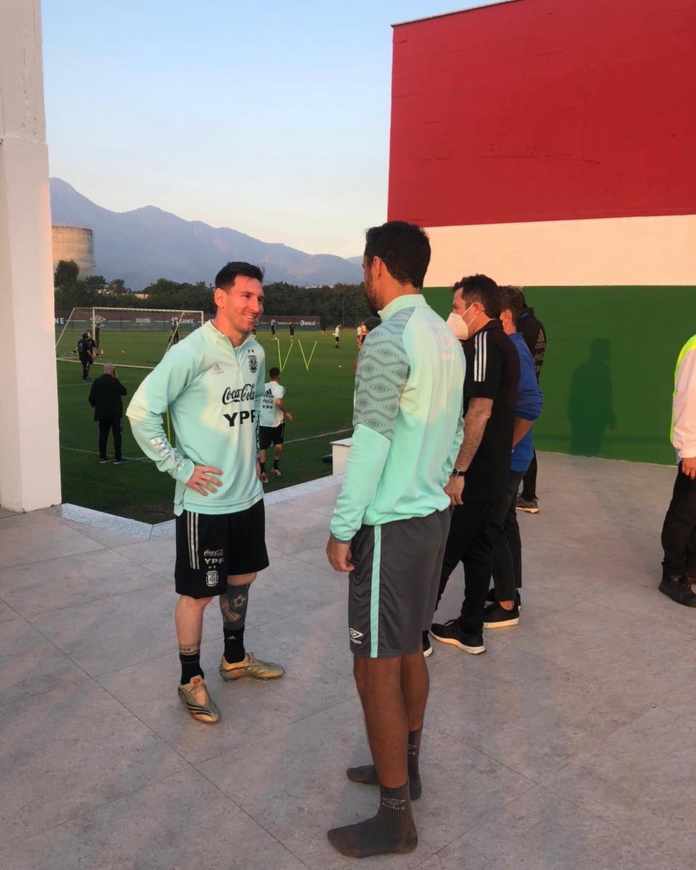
(608, 372)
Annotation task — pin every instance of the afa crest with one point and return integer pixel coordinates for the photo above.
(253, 362)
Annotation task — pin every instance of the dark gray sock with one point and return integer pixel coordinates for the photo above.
(366, 774)
(391, 831)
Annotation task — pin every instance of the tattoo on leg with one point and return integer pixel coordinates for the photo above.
(233, 605)
(190, 650)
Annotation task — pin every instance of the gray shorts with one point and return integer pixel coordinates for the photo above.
(393, 589)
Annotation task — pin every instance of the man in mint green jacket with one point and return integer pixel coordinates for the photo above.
(391, 521)
(212, 384)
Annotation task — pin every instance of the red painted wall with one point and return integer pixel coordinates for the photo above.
(545, 110)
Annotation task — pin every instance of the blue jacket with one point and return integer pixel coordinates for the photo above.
(529, 403)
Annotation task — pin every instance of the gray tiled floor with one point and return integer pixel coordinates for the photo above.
(568, 745)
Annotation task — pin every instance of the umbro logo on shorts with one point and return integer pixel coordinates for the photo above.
(356, 636)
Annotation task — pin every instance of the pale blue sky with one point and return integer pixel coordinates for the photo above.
(270, 117)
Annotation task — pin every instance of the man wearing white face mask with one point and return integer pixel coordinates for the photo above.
(481, 470)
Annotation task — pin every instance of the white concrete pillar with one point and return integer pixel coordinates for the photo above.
(29, 451)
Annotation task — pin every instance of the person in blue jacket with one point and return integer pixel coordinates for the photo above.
(504, 611)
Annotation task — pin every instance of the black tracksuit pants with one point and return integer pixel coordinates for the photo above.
(507, 552)
(530, 482)
(475, 529)
(106, 425)
(679, 529)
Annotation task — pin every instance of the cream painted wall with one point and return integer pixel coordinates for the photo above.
(29, 447)
(610, 251)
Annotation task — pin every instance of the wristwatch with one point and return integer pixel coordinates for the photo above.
(458, 472)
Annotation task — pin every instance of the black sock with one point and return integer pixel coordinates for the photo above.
(366, 774)
(233, 605)
(392, 830)
(275, 463)
(234, 645)
(190, 658)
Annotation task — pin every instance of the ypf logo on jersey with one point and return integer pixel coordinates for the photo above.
(211, 579)
(253, 362)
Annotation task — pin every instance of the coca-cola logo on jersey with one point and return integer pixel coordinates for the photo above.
(247, 393)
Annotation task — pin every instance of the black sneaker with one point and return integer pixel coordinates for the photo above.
(528, 505)
(427, 646)
(497, 617)
(679, 590)
(451, 633)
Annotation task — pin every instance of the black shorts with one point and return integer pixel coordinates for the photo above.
(393, 588)
(210, 547)
(271, 435)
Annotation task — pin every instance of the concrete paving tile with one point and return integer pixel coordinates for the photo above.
(294, 540)
(166, 529)
(159, 554)
(293, 590)
(318, 676)
(538, 831)
(6, 612)
(29, 664)
(70, 581)
(645, 768)
(115, 632)
(182, 821)
(38, 536)
(469, 859)
(65, 752)
(297, 788)
(530, 717)
(107, 529)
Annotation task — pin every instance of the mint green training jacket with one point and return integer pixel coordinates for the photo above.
(213, 391)
(407, 418)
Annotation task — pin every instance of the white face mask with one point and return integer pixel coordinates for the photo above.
(458, 326)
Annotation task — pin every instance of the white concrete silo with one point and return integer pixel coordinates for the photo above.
(74, 243)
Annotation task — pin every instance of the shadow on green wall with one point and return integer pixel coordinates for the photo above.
(609, 369)
(590, 401)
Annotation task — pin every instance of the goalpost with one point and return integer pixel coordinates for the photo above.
(111, 322)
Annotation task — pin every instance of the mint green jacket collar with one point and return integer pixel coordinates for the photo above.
(407, 300)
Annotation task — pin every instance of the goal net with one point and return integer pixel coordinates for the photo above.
(126, 336)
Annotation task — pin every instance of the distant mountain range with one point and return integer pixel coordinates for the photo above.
(147, 243)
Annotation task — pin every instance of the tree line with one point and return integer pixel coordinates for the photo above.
(340, 303)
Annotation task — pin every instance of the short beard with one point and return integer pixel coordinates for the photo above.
(371, 300)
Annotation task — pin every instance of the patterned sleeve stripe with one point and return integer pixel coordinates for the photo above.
(383, 370)
(480, 356)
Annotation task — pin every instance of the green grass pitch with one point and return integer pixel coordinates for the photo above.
(320, 399)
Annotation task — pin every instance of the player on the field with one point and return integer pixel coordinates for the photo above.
(337, 334)
(174, 332)
(272, 425)
(212, 384)
(273, 328)
(86, 351)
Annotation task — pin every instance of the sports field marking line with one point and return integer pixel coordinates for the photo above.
(116, 365)
(94, 453)
(306, 361)
(145, 459)
(320, 435)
